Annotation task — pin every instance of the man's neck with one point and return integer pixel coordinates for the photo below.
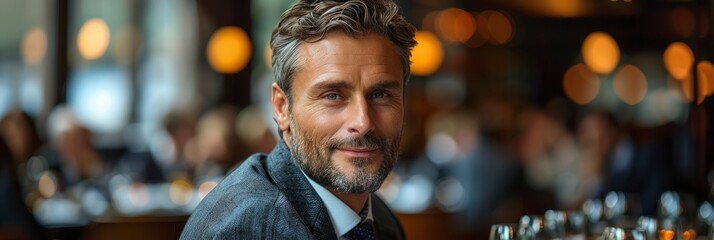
(355, 201)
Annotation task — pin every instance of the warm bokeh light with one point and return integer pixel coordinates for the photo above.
(600, 52)
(683, 21)
(268, 56)
(427, 55)
(560, 8)
(229, 50)
(689, 234)
(630, 84)
(180, 192)
(205, 188)
(138, 194)
(93, 39)
(580, 84)
(678, 59)
(34, 46)
(455, 25)
(666, 234)
(705, 77)
(500, 27)
(482, 34)
(47, 185)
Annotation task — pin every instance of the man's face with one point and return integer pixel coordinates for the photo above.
(343, 125)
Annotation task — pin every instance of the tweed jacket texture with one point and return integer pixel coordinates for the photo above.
(268, 197)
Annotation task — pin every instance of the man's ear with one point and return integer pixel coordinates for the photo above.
(280, 109)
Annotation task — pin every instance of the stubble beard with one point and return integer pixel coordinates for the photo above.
(313, 157)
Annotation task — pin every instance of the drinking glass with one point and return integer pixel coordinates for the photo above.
(554, 224)
(502, 232)
(530, 227)
(613, 233)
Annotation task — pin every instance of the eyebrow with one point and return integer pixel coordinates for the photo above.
(383, 84)
(331, 85)
(386, 84)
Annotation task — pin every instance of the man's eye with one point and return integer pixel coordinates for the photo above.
(331, 96)
(380, 94)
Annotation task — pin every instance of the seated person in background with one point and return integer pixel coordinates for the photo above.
(70, 153)
(16, 222)
(180, 127)
(215, 149)
(254, 130)
(21, 136)
(340, 68)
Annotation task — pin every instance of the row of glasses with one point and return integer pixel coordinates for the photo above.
(552, 225)
(611, 218)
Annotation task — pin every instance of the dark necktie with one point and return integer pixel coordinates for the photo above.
(363, 231)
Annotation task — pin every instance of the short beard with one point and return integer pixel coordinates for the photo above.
(314, 159)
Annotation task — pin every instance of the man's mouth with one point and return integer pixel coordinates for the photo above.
(358, 152)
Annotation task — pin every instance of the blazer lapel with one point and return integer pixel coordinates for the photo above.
(291, 181)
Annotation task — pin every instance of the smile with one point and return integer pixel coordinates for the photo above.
(358, 152)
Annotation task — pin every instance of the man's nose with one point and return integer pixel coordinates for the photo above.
(359, 118)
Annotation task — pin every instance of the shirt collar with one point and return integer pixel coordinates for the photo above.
(342, 216)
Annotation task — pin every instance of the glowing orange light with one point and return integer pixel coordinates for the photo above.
(705, 73)
(47, 186)
(229, 50)
(268, 55)
(690, 234)
(580, 84)
(600, 52)
(678, 59)
(666, 234)
(205, 188)
(482, 34)
(560, 8)
(455, 25)
(180, 192)
(93, 39)
(630, 84)
(34, 46)
(427, 55)
(500, 27)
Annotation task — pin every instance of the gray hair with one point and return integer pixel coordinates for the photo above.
(311, 20)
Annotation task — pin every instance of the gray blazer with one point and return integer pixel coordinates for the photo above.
(268, 197)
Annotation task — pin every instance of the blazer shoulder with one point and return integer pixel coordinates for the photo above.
(246, 204)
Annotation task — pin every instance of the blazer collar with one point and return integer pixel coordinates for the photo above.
(290, 180)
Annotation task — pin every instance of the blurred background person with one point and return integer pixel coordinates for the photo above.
(165, 159)
(215, 150)
(550, 158)
(16, 221)
(628, 163)
(21, 135)
(254, 131)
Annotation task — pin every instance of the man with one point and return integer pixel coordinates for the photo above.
(340, 68)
